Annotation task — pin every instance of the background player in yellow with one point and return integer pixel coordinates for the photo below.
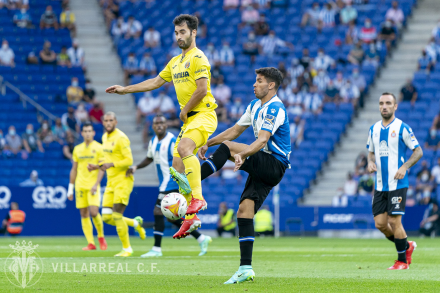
(88, 194)
(117, 159)
(190, 73)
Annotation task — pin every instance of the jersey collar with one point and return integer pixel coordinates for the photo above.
(187, 53)
(269, 100)
(383, 127)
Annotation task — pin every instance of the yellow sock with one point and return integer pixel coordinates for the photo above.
(192, 169)
(129, 222)
(122, 229)
(87, 229)
(99, 225)
(108, 219)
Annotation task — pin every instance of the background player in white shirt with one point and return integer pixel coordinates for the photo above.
(160, 152)
(388, 141)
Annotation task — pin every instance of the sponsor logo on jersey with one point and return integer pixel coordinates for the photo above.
(181, 74)
(383, 149)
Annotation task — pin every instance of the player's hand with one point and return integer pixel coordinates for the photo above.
(202, 152)
(183, 116)
(106, 166)
(116, 89)
(372, 167)
(92, 167)
(130, 171)
(238, 162)
(70, 196)
(401, 173)
(94, 189)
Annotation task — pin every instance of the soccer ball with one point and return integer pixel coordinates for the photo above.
(174, 206)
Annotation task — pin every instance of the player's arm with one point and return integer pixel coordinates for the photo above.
(145, 86)
(98, 181)
(415, 157)
(147, 161)
(371, 162)
(196, 98)
(229, 134)
(127, 160)
(73, 173)
(263, 138)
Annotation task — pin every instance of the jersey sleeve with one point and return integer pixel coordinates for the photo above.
(127, 161)
(75, 155)
(100, 154)
(150, 149)
(171, 148)
(246, 119)
(409, 138)
(370, 144)
(201, 67)
(165, 74)
(275, 117)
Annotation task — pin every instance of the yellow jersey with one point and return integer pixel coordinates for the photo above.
(83, 155)
(183, 71)
(116, 148)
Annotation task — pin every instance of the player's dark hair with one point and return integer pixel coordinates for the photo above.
(191, 21)
(390, 94)
(87, 124)
(271, 74)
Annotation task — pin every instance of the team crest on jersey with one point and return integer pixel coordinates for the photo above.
(393, 134)
(113, 143)
(93, 151)
(187, 64)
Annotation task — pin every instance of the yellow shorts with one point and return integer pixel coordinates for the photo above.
(198, 128)
(118, 190)
(84, 198)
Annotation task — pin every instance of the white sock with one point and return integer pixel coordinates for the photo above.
(128, 249)
(157, 249)
(201, 238)
(135, 223)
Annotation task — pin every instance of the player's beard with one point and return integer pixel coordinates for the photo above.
(262, 94)
(386, 116)
(186, 43)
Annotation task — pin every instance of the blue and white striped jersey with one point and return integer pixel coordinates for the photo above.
(162, 154)
(389, 144)
(272, 117)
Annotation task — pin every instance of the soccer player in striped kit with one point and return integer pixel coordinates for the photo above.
(388, 140)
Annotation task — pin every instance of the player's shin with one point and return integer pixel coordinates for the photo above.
(192, 171)
(87, 229)
(97, 221)
(246, 239)
(216, 161)
(401, 246)
(122, 229)
(159, 227)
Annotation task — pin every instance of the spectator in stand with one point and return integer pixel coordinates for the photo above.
(436, 121)
(216, 73)
(251, 46)
(322, 61)
(435, 172)
(295, 70)
(118, 30)
(297, 131)
(96, 113)
(222, 112)
(436, 33)
(131, 67)
(151, 38)
(63, 58)
(395, 14)
(59, 131)
(202, 29)
(295, 99)
(89, 93)
(13, 141)
(352, 34)
(368, 32)
(67, 20)
(431, 217)
(331, 94)
(356, 55)
(147, 105)
(222, 92)
(327, 15)
(249, 16)
(175, 51)
(312, 16)
(321, 81)
(388, 34)
(48, 19)
(81, 114)
(366, 184)
(350, 186)
(313, 101)
(270, 42)
(230, 4)
(6, 55)
(339, 81)
(165, 104)
(47, 55)
(3, 145)
(350, 93)
(31, 142)
(45, 134)
(359, 81)
(111, 11)
(226, 55)
(32, 181)
(305, 59)
(74, 92)
(348, 13)
(424, 183)
(261, 27)
(433, 140)
(133, 28)
(69, 146)
(69, 120)
(408, 93)
(237, 109)
(433, 50)
(212, 54)
(32, 58)
(340, 200)
(76, 55)
(23, 19)
(425, 62)
(282, 68)
(361, 162)
(371, 56)
(147, 66)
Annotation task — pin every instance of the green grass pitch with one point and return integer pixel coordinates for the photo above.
(281, 265)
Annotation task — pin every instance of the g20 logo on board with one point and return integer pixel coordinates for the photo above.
(49, 197)
(5, 197)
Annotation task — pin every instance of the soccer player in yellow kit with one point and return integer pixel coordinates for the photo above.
(88, 195)
(190, 73)
(117, 159)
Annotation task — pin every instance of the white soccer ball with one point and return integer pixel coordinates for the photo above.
(174, 206)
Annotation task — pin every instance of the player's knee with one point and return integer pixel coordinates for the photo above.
(157, 211)
(394, 221)
(184, 150)
(107, 219)
(381, 226)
